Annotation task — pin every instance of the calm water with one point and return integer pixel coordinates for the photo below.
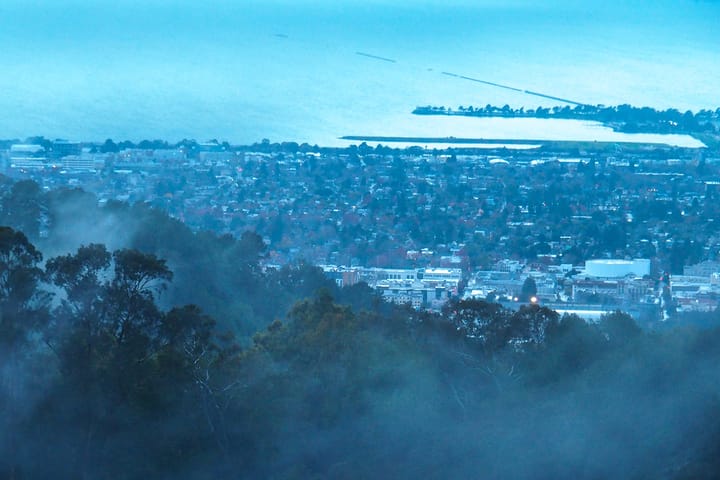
(246, 70)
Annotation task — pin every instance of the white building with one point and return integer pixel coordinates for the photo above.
(613, 268)
(25, 156)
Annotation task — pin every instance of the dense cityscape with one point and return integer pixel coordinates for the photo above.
(321, 240)
(423, 226)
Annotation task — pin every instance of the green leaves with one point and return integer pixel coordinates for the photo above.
(22, 305)
(497, 328)
(81, 276)
(619, 327)
(139, 273)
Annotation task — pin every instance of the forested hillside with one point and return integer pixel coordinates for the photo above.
(219, 273)
(132, 347)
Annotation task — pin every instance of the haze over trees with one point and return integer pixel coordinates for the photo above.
(110, 371)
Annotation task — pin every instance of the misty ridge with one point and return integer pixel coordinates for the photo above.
(132, 347)
(195, 330)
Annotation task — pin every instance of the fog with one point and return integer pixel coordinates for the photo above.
(233, 370)
(327, 392)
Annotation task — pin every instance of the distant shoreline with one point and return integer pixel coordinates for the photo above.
(621, 118)
(493, 141)
(469, 142)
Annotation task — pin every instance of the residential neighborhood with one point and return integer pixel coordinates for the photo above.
(571, 219)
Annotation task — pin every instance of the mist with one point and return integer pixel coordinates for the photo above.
(133, 346)
(301, 385)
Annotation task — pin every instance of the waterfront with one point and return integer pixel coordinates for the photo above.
(517, 129)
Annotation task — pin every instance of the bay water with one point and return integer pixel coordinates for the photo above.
(313, 71)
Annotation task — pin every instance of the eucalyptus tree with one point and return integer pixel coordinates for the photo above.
(23, 312)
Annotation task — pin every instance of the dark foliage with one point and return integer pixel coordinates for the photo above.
(103, 383)
(141, 349)
(625, 117)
